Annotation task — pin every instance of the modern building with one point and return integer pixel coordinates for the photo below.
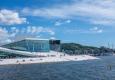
(29, 47)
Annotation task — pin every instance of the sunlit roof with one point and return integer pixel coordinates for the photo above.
(35, 39)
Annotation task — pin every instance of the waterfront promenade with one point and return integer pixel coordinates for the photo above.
(46, 59)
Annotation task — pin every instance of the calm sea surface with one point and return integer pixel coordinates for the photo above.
(103, 69)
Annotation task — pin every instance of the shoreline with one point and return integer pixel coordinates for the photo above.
(46, 59)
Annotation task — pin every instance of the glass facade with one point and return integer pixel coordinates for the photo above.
(37, 45)
(30, 45)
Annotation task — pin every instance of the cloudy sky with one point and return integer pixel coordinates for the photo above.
(89, 22)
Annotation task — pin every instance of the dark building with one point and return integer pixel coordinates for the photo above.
(54, 45)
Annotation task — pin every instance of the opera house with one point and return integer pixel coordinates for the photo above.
(30, 47)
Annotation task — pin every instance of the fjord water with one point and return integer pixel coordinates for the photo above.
(80, 70)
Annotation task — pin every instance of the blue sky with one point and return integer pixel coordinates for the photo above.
(82, 21)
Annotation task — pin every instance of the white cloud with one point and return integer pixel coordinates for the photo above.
(13, 28)
(96, 12)
(3, 33)
(105, 22)
(51, 32)
(9, 17)
(4, 36)
(15, 33)
(68, 21)
(8, 41)
(52, 38)
(59, 23)
(39, 29)
(34, 30)
(94, 30)
(100, 31)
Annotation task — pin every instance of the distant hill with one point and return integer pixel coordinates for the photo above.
(74, 48)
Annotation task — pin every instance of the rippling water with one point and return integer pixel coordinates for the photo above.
(82, 70)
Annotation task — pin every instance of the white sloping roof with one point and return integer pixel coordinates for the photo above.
(35, 39)
(16, 52)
